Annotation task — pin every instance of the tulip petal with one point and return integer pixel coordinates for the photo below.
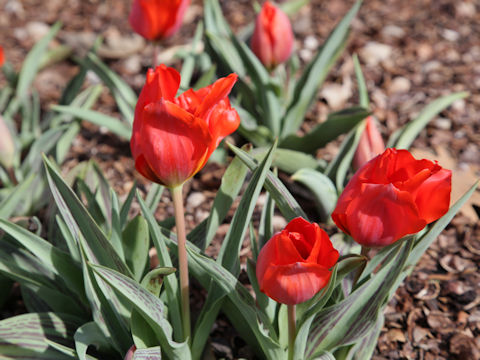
(294, 283)
(219, 90)
(381, 214)
(433, 196)
(174, 142)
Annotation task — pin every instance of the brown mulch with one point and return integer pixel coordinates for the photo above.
(411, 53)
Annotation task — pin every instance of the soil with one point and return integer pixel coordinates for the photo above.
(411, 53)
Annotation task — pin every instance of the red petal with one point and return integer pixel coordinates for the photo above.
(294, 283)
(174, 142)
(218, 91)
(433, 195)
(381, 214)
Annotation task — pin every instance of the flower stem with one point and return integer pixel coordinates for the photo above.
(182, 258)
(156, 45)
(363, 252)
(291, 330)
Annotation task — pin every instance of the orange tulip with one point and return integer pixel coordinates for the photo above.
(391, 196)
(370, 145)
(157, 19)
(173, 138)
(295, 263)
(272, 39)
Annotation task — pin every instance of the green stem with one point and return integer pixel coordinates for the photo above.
(182, 258)
(291, 330)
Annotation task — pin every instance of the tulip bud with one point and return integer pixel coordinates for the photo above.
(130, 353)
(2, 57)
(296, 263)
(370, 145)
(157, 19)
(272, 39)
(7, 147)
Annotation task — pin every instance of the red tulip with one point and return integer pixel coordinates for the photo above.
(157, 19)
(391, 196)
(130, 353)
(272, 39)
(370, 145)
(173, 138)
(2, 57)
(295, 263)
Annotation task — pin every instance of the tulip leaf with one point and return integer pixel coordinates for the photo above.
(292, 161)
(125, 97)
(315, 73)
(285, 201)
(26, 336)
(364, 348)
(98, 247)
(152, 353)
(353, 318)
(135, 242)
(150, 307)
(171, 284)
(231, 184)
(293, 6)
(362, 86)
(32, 64)
(337, 169)
(57, 261)
(336, 124)
(244, 303)
(404, 137)
(113, 124)
(18, 194)
(153, 280)
(324, 192)
(86, 335)
(229, 252)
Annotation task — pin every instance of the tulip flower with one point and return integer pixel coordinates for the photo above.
(130, 353)
(295, 263)
(173, 138)
(370, 145)
(157, 19)
(391, 196)
(272, 39)
(2, 57)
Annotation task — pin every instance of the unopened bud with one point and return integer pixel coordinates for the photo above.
(370, 145)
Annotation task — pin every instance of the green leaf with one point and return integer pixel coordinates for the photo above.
(315, 73)
(285, 201)
(291, 161)
(229, 252)
(338, 168)
(22, 191)
(87, 335)
(151, 308)
(153, 353)
(244, 304)
(57, 261)
(113, 124)
(98, 248)
(125, 97)
(362, 86)
(231, 184)
(365, 347)
(324, 191)
(26, 336)
(348, 321)
(31, 64)
(336, 124)
(171, 285)
(136, 241)
(404, 137)
(153, 280)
